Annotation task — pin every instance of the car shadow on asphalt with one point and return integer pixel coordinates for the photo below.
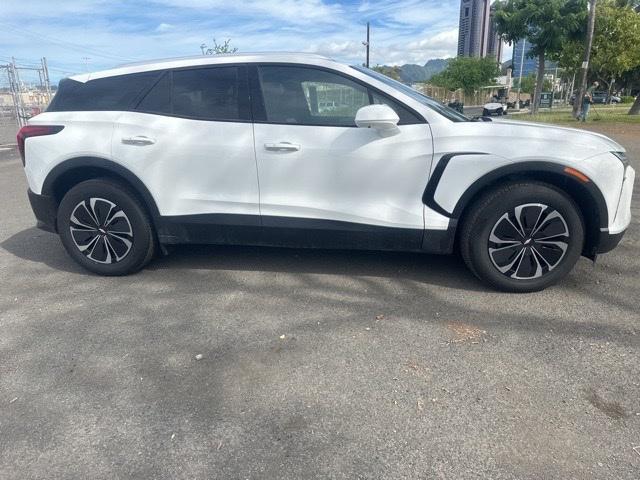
(448, 271)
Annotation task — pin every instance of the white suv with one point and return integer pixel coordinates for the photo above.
(298, 150)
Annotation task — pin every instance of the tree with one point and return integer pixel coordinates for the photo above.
(467, 73)
(634, 4)
(546, 24)
(391, 72)
(529, 84)
(635, 108)
(577, 104)
(615, 51)
(217, 48)
(615, 47)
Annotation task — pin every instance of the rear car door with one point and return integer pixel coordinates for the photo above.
(190, 140)
(318, 171)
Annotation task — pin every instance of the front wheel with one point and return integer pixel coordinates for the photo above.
(522, 237)
(105, 228)
(486, 113)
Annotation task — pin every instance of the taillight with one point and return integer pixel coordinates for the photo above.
(35, 131)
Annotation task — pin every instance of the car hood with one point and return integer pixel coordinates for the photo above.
(553, 133)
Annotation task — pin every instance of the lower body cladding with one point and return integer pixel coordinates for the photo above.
(292, 232)
(299, 233)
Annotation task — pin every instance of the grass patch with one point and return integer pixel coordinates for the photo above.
(609, 114)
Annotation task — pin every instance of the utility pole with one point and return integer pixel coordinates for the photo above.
(45, 75)
(16, 92)
(577, 104)
(367, 44)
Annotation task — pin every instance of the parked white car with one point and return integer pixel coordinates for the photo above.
(494, 108)
(237, 150)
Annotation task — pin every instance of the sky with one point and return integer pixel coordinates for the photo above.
(89, 35)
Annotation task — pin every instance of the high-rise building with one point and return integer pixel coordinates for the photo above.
(494, 44)
(529, 65)
(521, 59)
(477, 36)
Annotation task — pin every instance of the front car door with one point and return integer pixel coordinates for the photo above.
(320, 174)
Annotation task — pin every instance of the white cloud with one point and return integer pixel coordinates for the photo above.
(164, 27)
(109, 33)
(293, 11)
(446, 41)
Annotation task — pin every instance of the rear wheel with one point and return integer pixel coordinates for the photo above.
(522, 237)
(486, 113)
(105, 228)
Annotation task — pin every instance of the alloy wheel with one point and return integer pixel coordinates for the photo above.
(529, 241)
(101, 230)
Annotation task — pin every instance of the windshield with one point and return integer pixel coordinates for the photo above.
(443, 110)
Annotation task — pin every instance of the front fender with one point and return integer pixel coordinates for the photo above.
(459, 177)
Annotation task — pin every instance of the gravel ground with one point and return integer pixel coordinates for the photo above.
(314, 364)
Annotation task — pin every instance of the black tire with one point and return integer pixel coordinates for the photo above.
(505, 111)
(106, 219)
(485, 113)
(490, 239)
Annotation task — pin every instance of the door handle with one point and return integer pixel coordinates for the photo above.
(282, 147)
(138, 140)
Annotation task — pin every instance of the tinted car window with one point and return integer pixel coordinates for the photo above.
(217, 93)
(443, 110)
(311, 96)
(106, 94)
(158, 100)
(405, 115)
(207, 93)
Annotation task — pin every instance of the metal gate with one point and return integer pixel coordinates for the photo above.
(25, 91)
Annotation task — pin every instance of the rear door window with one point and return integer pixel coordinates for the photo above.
(158, 99)
(216, 93)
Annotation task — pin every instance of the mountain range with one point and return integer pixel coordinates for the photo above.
(413, 73)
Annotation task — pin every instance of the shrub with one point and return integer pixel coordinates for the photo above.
(627, 99)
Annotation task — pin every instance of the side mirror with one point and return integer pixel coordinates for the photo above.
(381, 117)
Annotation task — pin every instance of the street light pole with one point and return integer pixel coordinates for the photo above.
(524, 45)
(366, 44)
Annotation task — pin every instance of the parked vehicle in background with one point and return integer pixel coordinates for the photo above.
(242, 149)
(326, 106)
(603, 97)
(456, 105)
(525, 103)
(494, 108)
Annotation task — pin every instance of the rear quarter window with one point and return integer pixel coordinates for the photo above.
(106, 94)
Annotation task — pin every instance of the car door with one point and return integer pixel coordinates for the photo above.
(318, 171)
(190, 140)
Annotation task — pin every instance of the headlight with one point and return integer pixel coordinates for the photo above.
(622, 156)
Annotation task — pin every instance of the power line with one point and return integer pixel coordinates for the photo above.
(68, 45)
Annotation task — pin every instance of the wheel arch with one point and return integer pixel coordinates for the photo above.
(75, 170)
(586, 195)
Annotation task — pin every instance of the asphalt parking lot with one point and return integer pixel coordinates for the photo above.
(315, 364)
